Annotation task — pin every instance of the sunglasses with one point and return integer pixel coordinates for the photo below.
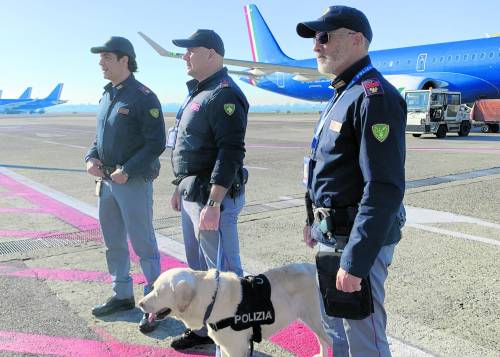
(323, 37)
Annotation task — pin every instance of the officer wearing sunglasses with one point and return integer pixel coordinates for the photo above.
(355, 183)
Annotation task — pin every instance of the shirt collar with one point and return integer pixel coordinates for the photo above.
(130, 79)
(193, 85)
(346, 77)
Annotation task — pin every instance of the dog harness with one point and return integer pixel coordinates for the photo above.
(254, 310)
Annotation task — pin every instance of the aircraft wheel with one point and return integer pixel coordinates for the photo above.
(464, 128)
(416, 135)
(441, 132)
(494, 128)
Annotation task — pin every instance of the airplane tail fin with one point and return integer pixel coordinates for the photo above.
(26, 94)
(56, 93)
(1, 91)
(263, 44)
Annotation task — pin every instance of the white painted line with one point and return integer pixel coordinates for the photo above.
(69, 145)
(454, 234)
(256, 168)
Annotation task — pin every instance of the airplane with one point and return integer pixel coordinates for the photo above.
(471, 67)
(34, 105)
(7, 103)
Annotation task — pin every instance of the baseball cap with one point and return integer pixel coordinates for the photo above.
(116, 44)
(336, 17)
(202, 38)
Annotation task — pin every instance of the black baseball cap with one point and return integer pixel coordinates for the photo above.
(334, 18)
(203, 38)
(116, 44)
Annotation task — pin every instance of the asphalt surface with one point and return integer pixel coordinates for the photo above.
(443, 291)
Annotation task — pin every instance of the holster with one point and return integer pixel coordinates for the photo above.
(238, 185)
(195, 188)
(355, 306)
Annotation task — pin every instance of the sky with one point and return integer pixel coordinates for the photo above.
(47, 42)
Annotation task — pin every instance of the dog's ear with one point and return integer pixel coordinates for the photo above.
(183, 294)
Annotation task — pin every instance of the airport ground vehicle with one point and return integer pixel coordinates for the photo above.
(486, 113)
(438, 112)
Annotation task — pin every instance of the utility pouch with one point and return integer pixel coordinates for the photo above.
(98, 187)
(194, 188)
(239, 183)
(355, 306)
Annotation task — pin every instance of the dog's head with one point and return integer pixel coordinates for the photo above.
(172, 293)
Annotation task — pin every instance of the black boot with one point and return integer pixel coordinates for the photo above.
(113, 305)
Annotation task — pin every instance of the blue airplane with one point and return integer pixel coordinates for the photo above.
(471, 67)
(33, 105)
(5, 104)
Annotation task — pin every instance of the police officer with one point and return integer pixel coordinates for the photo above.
(355, 173)
(124, 157)
(208, 148)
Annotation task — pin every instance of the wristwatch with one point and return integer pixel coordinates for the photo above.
(213, 203)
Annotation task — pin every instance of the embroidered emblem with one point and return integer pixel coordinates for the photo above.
(229, 108)
(372, 87)
(155, 112)
(123, 111)
(380, 131)
(195, 107)
(335, 126)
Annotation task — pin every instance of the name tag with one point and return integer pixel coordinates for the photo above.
(123, 111)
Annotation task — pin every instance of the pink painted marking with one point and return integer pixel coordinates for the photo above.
(298, 339)
(166, 261)
(455, 149)
(71, 347)
(28, 234)
(49, 205)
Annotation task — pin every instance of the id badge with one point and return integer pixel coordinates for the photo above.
(305, 179)
(171, 137)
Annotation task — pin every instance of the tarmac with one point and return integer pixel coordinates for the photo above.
(443, 291)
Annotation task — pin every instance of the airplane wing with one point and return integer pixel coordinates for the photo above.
(14, 105)
(256, 69)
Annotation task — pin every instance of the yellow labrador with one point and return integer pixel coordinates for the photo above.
(186, 295)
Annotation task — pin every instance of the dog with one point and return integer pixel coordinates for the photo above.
(186, 294)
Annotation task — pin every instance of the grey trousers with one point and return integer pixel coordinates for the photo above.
(127, 211)
(202, 254)
(367, 337)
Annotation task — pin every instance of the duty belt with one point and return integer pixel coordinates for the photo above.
(108, 170)
(335, 224)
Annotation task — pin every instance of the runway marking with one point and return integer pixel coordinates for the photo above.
(455, 149)
(265, 146)
(28, 234)
(452, 178)
(256, 168)
(68, 145)
(70, 347)
(173, 248)
(455, 234)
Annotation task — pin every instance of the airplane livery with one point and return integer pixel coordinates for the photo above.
(471, 67)
(25, 104)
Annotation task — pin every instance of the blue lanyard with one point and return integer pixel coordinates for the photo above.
(331, 104)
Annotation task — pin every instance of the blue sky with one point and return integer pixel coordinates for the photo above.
(46, 42)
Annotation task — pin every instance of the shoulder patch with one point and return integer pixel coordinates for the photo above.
(380, 131)
(372, 87)
(229, 108)
(154, 112)
(144, 89)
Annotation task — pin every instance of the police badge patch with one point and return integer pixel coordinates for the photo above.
(380, 131)
(372, 87)
(229, 108)
(154, 112)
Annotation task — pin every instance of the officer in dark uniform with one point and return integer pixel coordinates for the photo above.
(355, 175)
(208, 148)
(124, 157)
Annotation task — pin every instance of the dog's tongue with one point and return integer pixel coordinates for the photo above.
(151, 317)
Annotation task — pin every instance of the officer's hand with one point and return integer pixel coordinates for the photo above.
(307, 237)
(175, 201)
(118, 176)
(347, 283)
(94, 167)
(209, 218)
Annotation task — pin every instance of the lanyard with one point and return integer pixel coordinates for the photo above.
(331, 105)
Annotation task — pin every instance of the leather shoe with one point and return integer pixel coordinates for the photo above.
(146, 326)
(189, 339)
(113, 305)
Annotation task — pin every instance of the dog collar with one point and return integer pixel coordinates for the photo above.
(211, 305)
